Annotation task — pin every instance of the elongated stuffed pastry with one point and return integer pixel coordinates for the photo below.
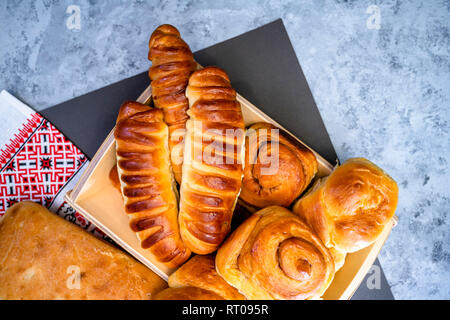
(197, 279)
(172, 64)
(212, 168)
(274, 255)
(277, 167)
(350, 208)
(146, 180)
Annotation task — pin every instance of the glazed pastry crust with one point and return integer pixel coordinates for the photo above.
(274, 255)
(277, 167)
(211, 177)
(197, 279)
(39, 252)
(147, 184)
(172, 64)
(350, 208)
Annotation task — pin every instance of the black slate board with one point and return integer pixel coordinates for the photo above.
(263, 68)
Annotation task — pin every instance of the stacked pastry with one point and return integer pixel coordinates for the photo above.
(274, 253)
(148, 141)
(195, 136)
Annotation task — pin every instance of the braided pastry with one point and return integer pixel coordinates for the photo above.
(172, 63)
(274, 255)
(277, 167)
(212, 168)
(147, 184)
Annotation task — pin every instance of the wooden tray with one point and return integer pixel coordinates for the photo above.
(96, 199)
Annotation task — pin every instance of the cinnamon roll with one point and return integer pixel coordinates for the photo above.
(146, 181)
(274, 255)
(277, 167)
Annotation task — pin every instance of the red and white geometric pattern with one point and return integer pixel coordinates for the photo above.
(19, 137)
(42, 165)
(38, 163)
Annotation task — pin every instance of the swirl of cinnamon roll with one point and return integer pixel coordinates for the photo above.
(274, 255)
(277, 167)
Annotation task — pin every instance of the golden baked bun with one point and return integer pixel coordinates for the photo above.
(197, 279)
(172, 64)
(211, 177)
(350, 208)
(43, 257)
(274, 255)
(147, 184)
(277, 167)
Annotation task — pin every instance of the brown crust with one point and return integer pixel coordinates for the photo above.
(211, 177)
(147, 184)
(172, 63)
(41, 253)
(282, 180)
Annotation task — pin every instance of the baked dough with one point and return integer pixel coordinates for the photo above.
(197, 279)
(147, 184)
(350, 208)
(274, 255)
(277, 168)
(172, 63)
(212, 168)
(41, 255)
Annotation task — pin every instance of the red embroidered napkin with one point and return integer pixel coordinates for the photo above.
(37, 162)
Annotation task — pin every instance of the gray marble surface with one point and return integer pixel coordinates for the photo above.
(384, 93)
